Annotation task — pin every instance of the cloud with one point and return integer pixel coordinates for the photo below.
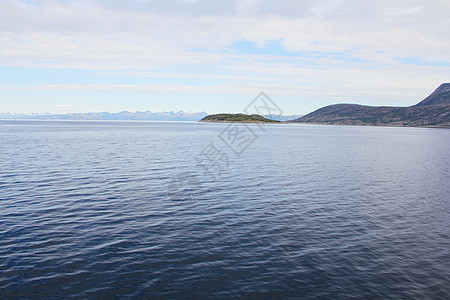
(354, 48)
(134, 34)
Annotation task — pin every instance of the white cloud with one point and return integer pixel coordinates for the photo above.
(84, 30)
(160, 37)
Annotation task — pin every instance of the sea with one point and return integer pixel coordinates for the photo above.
(185, 210)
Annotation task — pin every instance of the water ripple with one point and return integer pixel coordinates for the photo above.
(305, 212)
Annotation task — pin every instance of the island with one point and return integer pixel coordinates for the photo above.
(433, 111)
(237, 118)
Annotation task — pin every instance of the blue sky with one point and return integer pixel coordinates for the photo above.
(63, 56)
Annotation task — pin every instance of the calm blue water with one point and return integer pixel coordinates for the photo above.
(126, 210)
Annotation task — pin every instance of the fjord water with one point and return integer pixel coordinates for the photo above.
(90, 210)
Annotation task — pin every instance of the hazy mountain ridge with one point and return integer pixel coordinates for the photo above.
(282, 117)
(433, 111)
(124, 115)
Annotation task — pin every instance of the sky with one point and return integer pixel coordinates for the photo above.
(65, 56)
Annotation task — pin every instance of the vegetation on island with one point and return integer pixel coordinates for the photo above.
(237, 118)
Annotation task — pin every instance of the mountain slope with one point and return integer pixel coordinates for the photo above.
(440, 96)
(433, 111)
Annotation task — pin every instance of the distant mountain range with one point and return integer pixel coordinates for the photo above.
(125, 115)
(433, 111)
(281, 117)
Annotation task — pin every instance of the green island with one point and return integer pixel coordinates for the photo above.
(237, 118)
